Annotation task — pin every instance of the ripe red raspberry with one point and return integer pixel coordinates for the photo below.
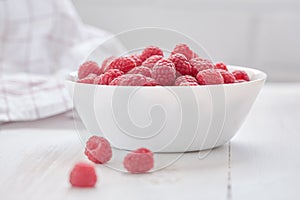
(150, 62)
(151, 51)
(141, 70)
(98, 150)
(89, 79)
(209, 77)
(83, 175)
(221, 65)
(188, 84)
(185, 50)
(89, 67)
(132, 80)
(136, 58)
(106, 62)
(107, 77)
(164, 72)
(139, 161)
(186, 78)
(240, 81)
(150, 82)
(227, 76)
(241, 75)
(200, 64)
(181, 63)
(122, 63)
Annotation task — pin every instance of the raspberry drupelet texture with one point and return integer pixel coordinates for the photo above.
(221, 65)
(141, 70)
(123, 64)
(98, 150)
(150, 62)
(83, 175)
(107, 77)
(241, 75)
(164, 72)
(151, 51)
(181, 63)
(209, 77)
(185, 78)
(185, 50)
(139, 161)
(89, 67)
(89, 79)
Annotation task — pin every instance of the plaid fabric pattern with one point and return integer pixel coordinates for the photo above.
(40, 41)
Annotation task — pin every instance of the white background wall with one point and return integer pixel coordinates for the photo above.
(263, 34)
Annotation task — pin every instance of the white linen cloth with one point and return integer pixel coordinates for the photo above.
(40, 42)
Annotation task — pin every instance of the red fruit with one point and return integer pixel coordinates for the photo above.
(188, 84)
(132, 80)
(98, 150)
(200, 64)
(141, 70)
(89, 79)
(151, 51)
(227, 76)
(150, 62)
(89, 67)
(136, 58)
(164, 72)
(185, 78)
(185, 50)
(122, 63)
(139, 161)
(181, 63)
(241, 75)
(150, 82)
(107, 77)
(83, 175)
(106, 63)
(209, 77)
(221, 65)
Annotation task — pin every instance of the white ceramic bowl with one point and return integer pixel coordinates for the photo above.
(166, 119)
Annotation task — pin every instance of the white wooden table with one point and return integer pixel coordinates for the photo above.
(261, 162)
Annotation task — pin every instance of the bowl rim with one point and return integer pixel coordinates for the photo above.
(261, 76)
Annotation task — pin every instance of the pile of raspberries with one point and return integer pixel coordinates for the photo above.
(150, 68)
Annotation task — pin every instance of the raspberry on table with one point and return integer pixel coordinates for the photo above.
(83, 175)
(200, 64)
(209, 77)
(89, 67)
(141, 70)
(107, 77)
(133, 80)
(136, 58)
(227, 76)
(150, 62)
(185, 50)
(89, 79)
(151, 51)
(122, 63)
(241, 75)
(186, 78)
(106, 62)
(221, 65)
(181, 63)
(139, 161)
(164, 72)
(98, 150)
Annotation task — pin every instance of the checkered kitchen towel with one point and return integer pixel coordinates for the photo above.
(40, 42)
